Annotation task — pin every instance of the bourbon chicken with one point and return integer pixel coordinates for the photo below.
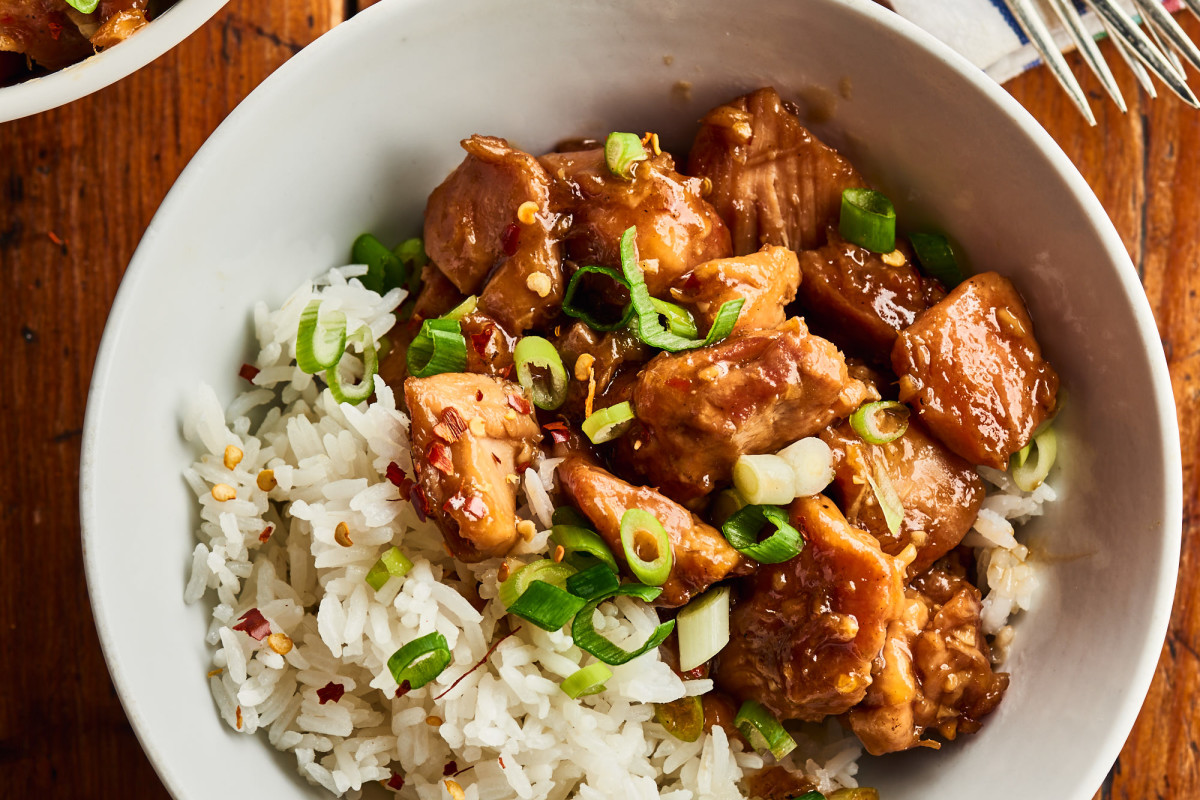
(658, 341)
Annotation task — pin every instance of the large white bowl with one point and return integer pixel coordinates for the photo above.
(355, 131)
(94, 73)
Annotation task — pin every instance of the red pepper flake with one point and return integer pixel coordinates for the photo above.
(266, 534)
(254, 624)
(55, 32)
(510, 239)
(524, 465)
(506, 372)
(54, 237)
(476, 508)
(439, 458)
(480, 341)
(238, 713)
(479, 396)
(395, 782)
(330, 691)
(248, 372)
(559, 432)
(692, 284)
(450, 768)
(502, 763)
(451, 425)
(479, 663)
(416, 496)
(495, 458)
(682, 384)
(519, 404)
(397, 477)
(404, 688)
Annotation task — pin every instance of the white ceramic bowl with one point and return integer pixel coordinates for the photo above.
(92, 74)
(353, 133)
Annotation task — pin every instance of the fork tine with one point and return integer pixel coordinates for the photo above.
(1135, 66)
(1087, 48)
(1122, 26)
(1035, 28)
(1169, 28)
(1152, 29)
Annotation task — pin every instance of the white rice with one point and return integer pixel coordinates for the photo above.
(507, 720)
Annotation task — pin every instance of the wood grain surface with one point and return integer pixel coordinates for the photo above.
(78, 186)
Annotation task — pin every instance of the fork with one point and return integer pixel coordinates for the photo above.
(1136, 48)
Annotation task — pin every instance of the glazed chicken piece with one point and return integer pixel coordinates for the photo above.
(697, 411)
(470, 434)
(489, 348)
(53, 35)
(474, 235)
(437, 294)
(773, 182)
(940, 492)
(862, 300)
(613, 359)
(935, 672)
(766, 280)
(805, 632)
(676, 227)
(701, 554)
(971, 368)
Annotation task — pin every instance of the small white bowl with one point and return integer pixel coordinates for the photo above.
(94, 73)
(353, 133)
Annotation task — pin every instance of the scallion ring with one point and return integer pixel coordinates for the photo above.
(881, 422)
(1031, 471)
(682, 718)
(546, 605)
(381, 263)
(762, 730)
(936, 257)
(724, 505)
(592, 582)
(621, 152)
(545, 570)
(548, 385)
(741, 530)
(420, 661)
(568, 515)
(703, 628)
(885, 493)
(586, 637)
(439, 347)
(764, 479)
(392, 564)
(357, 393)
(679, 319)
(83, 6)
(608, 423)
(462, 309)
(411, 254)
(868, 220)
(641, 532)
(586, 681)
(571, 310)
(811, 461)
(582, 548)
(319, 342)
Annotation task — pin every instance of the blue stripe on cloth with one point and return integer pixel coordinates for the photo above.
(1011, 20)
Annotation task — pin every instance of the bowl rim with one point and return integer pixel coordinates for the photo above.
(95, 72)
(1127, 276)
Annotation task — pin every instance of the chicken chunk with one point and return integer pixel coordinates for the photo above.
(859, 299)
(473, 232)
(701, 554)
(699, 410)
(489, 348)
(972, 369)
(53, 35)
(766, 280)
(773, 182)
(940, 492)
(470, 433)
(437, 295)
(611, 359)
(935, 672)
(676, 227)
(805, 632)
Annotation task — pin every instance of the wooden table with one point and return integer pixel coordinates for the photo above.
(78, 186)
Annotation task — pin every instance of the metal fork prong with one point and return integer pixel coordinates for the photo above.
(1034, 26)
(1122, 26)
(1135, 66)
(1087, 48)
(1193, 5)
(1152, 29)
(1159, 19)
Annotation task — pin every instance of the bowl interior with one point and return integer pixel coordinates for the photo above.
(355, 131)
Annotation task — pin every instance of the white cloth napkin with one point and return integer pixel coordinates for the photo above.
(985, 32)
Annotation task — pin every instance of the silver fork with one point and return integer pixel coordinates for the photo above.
(1131, 41)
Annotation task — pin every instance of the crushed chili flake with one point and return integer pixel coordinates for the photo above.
(479, 396)
(524, 465)
(450, 769)
(439, 458)
(238, 712)
(519, 404)
(502, 763)
(330, 691)
(254, 624)
(395, 782)
(692, 284)
(248, 372)
(404, 688)
(476, 508)
(451, 425)
(559, 432)
(679, 383)
(481, 340)
(54, 237)
(55, 32)
(495, 458)
(510, 239)
(212, 673)
(506, 372)
(478, 663)
(396, 475)
(266, 533)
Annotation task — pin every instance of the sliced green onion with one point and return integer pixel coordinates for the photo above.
(653, 571)
(868, 220)
(583, 548)
(84, 6)
(319, 342)
(439, 347)
(703, 628)
(764, 479)
(1030, 474)
(811, 461)
(535, 352)
(723, 507)
(870, 418)
(411, 254)
(679, 319)
(741, 530)
(584, 632)
(589, 680)
(648, 327)
(420, 661)
(571, 310)
(546, 606)
(937, 258)
(594, 581)
(608, 423)
(683, 718)
(622, 151)
(392, 564)
(412, 251)
(568, 515)
(359, 392)
(462, 309)
(381, 263)
(813, 795)
(857, 793)
(762, 730)
(885, 493)
(545, 570)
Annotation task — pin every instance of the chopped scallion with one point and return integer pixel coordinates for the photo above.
(762, 730)
(588, 639)
(439, 347)
(764, 479)
(420, 661)
(723, 507)
(365, 387)
(582, 548)
(1031, 471)
(392, 564)
(568, 515)
(885, 493)
(937, 258)
(462, 309)
(545, 570)
(319, 342)
(622, 151)
(868, 220)
(586, 681)
(381, 263)
(641, 532)
(881, 422)
(682, 718)
(742, 529)
(546, 606)
(811, 461)
(679, 319)
(571, 310)
(84, 6)
(608, 423)
(594, 581)
(703, 628)
(535, 353)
